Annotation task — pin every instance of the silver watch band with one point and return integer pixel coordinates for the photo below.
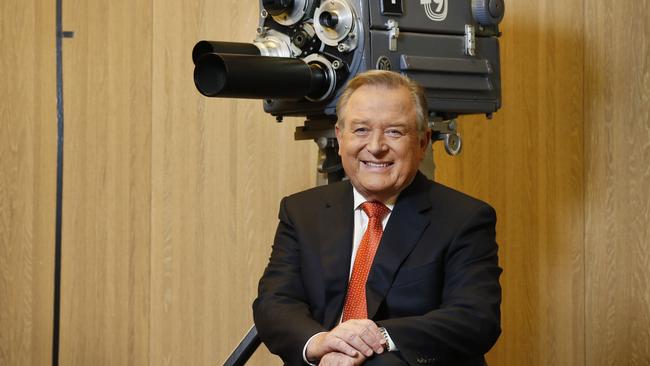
(384, 333)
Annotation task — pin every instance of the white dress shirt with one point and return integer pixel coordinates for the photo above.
(360, 226)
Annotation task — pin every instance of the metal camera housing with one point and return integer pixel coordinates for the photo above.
(305, 51)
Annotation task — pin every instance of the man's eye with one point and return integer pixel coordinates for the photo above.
(360, 130)
(394, 133)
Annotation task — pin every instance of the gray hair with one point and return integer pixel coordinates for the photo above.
(390, 80)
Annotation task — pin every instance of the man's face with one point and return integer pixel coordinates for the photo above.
(379, 142)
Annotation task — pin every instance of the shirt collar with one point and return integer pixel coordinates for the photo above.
(359, 199)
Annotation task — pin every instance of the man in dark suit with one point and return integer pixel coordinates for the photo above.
(387, 268)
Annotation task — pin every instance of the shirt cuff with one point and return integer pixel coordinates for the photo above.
(304, 349)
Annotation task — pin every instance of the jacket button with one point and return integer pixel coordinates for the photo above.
(426, 360)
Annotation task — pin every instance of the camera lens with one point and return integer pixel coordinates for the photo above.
(277, 7)
(328, 19)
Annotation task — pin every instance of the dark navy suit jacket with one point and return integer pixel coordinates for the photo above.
(434, 282)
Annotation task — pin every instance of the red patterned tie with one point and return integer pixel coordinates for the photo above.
(355, 303)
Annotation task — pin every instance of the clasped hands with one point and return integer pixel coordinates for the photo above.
(350, 343)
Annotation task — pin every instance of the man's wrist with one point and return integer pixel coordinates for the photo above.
(305, 357)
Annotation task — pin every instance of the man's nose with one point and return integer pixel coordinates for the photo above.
(376, 143)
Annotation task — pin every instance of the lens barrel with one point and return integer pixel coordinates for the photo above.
(258, 77)
(205, 47)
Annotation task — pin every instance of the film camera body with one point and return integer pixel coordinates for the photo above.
(306, 50)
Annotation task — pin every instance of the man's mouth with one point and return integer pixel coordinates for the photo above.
(376, 164)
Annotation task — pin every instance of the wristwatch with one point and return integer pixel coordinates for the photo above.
(385, 334)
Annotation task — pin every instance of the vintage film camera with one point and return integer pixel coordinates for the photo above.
(306, 50)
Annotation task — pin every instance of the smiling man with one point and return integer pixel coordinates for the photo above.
(382, 139)
(388, 268)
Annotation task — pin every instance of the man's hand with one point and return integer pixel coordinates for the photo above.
(352, 338)
(340, 359)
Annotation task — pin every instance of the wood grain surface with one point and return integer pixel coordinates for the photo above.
(171, 199)
(27, 180)
(617, 148)
(107, 191)
(219, 170)
(528, 163)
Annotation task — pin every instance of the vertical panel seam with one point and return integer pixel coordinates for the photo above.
(151, 186)
(59, 186)
(585, 166)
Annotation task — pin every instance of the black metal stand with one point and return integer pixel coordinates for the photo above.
(245, 349)
(321, 130)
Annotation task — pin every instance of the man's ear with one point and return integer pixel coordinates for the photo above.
(338, 133)
(426, 137)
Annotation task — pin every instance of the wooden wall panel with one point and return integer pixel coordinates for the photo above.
(170, 198)
(219, 170)
(528, 163)
(617, 101)
(27, 180)
(107, 183)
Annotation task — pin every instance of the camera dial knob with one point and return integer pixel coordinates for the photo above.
(488, 12)
(277, 7)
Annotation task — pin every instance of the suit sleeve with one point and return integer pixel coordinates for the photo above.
(281, 311)
(467, 323)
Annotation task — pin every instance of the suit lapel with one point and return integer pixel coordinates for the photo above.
(402, 233)
(336, 230)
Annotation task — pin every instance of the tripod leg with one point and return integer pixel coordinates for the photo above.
(245, 349)
(330, 168)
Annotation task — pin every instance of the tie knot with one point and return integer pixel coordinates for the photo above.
(374, 209)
